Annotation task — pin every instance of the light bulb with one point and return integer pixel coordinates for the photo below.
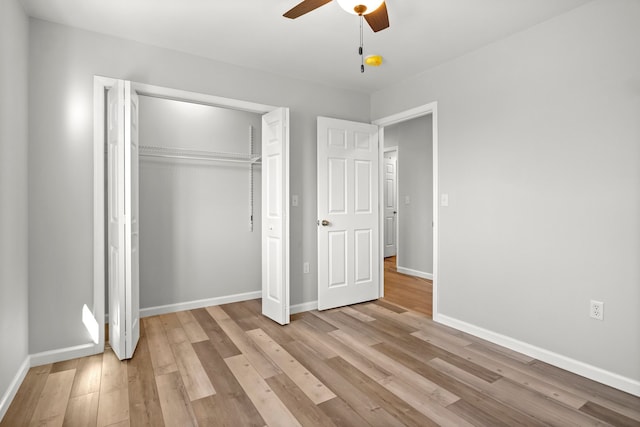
(352, 6)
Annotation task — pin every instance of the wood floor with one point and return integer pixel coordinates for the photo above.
(411, 292)
(370, 364)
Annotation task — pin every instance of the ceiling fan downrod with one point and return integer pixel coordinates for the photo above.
(361, 48)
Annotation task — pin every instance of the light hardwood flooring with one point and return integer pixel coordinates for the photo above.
(370, 364)
(411, 292)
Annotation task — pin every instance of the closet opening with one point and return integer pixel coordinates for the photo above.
(186, 170)
(200, 203)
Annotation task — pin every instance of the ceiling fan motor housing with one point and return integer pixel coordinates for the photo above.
(360, 9)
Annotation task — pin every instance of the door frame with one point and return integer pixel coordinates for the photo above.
(100, 85)
(397, 221)
(420, 111)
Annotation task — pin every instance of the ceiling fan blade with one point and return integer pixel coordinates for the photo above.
(378, 19)
(304, 7)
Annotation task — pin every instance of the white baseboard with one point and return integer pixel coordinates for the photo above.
(190, 305)
(416, 273)
(68, 353)
(10, 393)
(306, 306)
(577, 367)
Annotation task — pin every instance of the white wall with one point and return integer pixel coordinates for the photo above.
(539, 139)
(13, 193)
(195, 236)
(414, 139)
(63, 63)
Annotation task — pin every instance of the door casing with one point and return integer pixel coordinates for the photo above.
(423, 110)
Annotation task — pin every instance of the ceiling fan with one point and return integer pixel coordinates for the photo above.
(373, 11)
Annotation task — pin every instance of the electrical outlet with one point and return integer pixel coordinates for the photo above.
(596, 310)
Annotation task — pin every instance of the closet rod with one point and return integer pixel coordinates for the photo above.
(178, 153)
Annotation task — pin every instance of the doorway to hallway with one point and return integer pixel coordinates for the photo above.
(408, 179)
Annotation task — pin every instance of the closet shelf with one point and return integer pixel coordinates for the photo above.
(179, 153)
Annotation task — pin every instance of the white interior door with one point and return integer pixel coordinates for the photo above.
(348, 227)
(390, 202)
(275, 215)
(122, 211)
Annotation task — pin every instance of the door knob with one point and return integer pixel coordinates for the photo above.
(325, 223)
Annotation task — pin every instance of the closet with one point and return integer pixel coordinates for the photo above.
(196, 215)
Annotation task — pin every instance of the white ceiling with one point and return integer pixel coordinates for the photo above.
(320, 46)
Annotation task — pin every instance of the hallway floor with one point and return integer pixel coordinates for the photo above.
(411, 292)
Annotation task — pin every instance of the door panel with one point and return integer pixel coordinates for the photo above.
(363, 187)
(337, 258)
(337, 185)
(275, 215)
(348, 265)
(133, 235)
(363, 255)
(122, 214)
(116, 216)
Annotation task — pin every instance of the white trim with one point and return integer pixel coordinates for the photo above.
(201, 303)
(381, 210)
(423, 110)
(415, 273)
(305, 306)
(286, 212)
(403, 116)
(10, 393)
(577, 367)
(61, 354)
(200, 98)
(436, 210)
(100, 85)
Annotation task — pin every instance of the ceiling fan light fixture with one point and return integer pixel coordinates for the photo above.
(360, 7)
(373, 60)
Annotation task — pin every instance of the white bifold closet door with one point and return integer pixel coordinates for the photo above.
(275, 215)
(348, 213)
(122, 218)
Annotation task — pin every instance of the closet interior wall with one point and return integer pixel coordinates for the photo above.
(197, 240)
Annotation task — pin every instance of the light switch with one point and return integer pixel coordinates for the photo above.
(407, 200)
(294, 200)
(444, 199)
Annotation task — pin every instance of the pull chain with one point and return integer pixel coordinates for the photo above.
(361, 49)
